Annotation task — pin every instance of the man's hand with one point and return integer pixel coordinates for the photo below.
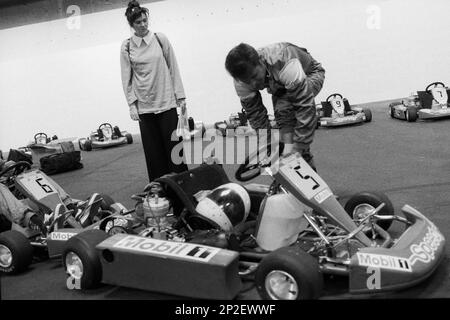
(134, 115)
(181, 103)
(288, 149)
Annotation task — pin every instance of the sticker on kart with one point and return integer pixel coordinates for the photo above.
(167, 248)
(346, 119)
(37, 185)
(61, 236)
(423, 251)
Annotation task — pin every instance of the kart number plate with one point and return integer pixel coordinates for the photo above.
(338, 105)
(440, 95)
(37, 185)
(302, 176)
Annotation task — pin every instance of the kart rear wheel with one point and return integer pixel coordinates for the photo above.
(359, 205)
(106, 202)
(129, 138)
(88, 145)
(117, 131)
(289, 273)
(411, 114)
(16, 252)
(368, 115)
(81, 260)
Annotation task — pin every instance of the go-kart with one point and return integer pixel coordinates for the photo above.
(60, 215)
(433, 103)
(336, 111)
(237, 125)
(206, 236)
(42, 138)
(42, 145)
(104, 137)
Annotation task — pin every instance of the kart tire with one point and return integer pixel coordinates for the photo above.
(129, 138)
(21, 251)
(411, 114)
(88, 145)
(83, 245)
(368, 115)
(293, 263)
(117, 131)
(106, 202)
(373, 199)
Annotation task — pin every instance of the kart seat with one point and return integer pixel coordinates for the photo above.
(426, 99)
(181, 187)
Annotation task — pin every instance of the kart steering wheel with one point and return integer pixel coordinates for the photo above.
(334, 95)
(18, 168)
(105, 125)
(251, 168)
(40, 135)
(434, 84)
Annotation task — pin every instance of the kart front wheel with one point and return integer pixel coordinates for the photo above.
(368, 115)
(16, 252)
(362, 204)
(392, 108)
(81, 260)
(411, 114)
(289, 273)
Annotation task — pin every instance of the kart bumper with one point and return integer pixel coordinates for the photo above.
(413, 258)
(433, 114)
(109, 143)
(344, 121)
(178, 268)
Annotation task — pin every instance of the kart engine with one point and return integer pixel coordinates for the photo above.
(156, 208)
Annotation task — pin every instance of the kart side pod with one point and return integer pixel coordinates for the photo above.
(179, 268)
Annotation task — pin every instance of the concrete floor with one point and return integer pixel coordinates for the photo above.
(407, 161)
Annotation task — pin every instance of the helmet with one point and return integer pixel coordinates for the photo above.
(226, 206)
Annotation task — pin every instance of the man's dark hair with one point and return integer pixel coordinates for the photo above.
(241, 60)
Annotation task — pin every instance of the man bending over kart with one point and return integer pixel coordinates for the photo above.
(293, 77)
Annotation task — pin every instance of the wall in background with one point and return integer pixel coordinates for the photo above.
(63, 76)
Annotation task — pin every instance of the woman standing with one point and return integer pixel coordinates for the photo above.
(153, 89)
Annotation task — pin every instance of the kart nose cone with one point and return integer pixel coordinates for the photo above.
(281, 286)
(5, 256)
(74, 265)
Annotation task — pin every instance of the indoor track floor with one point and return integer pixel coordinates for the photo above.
(410, 162)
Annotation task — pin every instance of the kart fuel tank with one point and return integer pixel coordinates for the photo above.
(280, 221)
